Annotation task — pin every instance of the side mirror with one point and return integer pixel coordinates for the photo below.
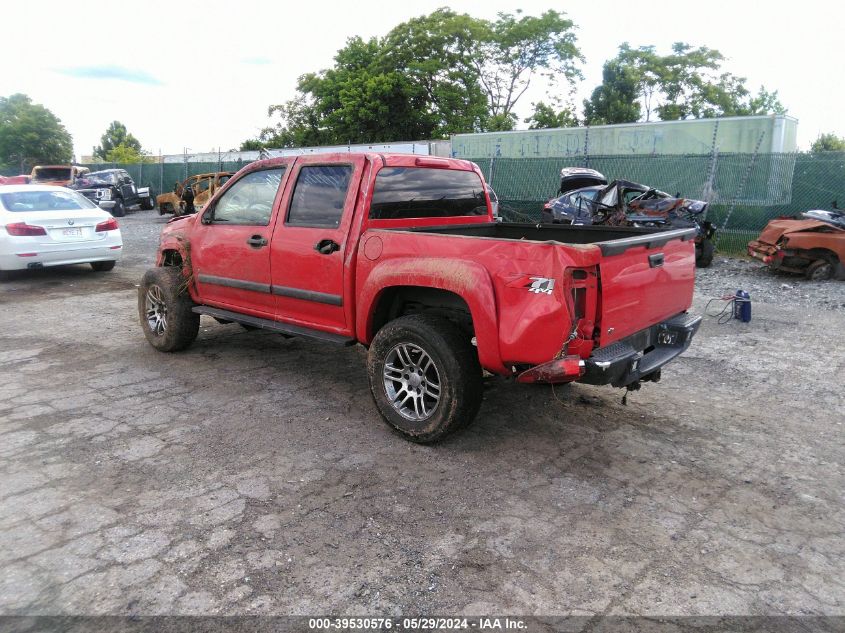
(106, 205)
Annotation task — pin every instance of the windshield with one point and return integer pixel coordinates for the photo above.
(52, 173)
(45, 201)
(98, 178)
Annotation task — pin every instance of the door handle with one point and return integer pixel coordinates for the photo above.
(256, 241)
(655, 260)
(326, 247)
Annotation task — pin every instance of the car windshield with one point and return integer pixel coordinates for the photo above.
(45, 201)
(52, 173)
(98, 178)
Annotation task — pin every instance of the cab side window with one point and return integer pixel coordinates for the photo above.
(319, 195)
(250, 199)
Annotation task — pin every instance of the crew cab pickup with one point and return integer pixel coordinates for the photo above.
(402, 254)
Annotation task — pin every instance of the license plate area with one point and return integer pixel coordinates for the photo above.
(667, 337)
(74, 232)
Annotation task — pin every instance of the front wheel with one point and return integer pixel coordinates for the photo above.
(165, 310)
(425, 377)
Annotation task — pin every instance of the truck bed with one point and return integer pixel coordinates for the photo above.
(611, 239)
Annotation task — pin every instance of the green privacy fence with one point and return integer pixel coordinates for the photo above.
(745, 190)
(162, 176)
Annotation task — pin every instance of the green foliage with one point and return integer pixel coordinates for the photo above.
(615, 100)
(828, 143)
(429, 77)
(686, 83)
(545, 116)
(251, 145)
(30, 134)
(127, 154)
(115, 135)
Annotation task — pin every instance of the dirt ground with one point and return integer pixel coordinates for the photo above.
(252, 475)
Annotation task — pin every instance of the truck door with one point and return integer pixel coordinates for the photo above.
(230, 246)
(310, 243)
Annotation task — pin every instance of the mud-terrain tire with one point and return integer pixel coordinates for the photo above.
(148, 203)
(820, 270)
(704, 254)
(119, 209)
(164, 307)
(103, 267)
(433, 383)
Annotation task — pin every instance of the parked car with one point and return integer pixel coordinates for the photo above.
(401, 253)
(203, 186)
(813, 245)
(58, 175)
(41, 225)
(15, 180)
(585, 198)
(114, 185)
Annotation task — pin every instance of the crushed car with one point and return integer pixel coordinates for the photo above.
(586, 198)
(202, 186)
(57, 175)
(114, 185)
(812, 245)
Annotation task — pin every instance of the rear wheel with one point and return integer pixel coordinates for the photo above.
(165, 310)
(148, 203)
(819, 270)
(102, 267)
(119, 209)
(425, 377)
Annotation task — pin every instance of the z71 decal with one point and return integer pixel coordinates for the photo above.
(541, 285)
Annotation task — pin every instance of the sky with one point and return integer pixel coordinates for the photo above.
(200, 75)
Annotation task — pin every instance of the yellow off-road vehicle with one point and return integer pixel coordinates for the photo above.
(203, 187)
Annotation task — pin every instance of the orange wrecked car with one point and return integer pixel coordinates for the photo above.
(813, 246)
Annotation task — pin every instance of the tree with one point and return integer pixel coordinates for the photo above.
(429, 77)
(639, 83)
(31, 134)
(115, 135)
(616, 99)
(513, 50)
(127, 154)
(828, 143)
(545, 116)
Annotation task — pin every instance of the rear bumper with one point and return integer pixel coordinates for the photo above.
(78, 254)
(641, 354)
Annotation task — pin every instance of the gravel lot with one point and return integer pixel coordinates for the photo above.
(252, 474)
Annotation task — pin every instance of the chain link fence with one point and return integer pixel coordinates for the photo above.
(745, 191)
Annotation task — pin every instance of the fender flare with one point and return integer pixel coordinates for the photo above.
(143, 192)
(469, 280)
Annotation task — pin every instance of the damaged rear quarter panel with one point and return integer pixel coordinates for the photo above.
(513, 325)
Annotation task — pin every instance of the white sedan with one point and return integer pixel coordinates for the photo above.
(52, 226)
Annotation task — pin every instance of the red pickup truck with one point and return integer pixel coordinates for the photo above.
(401, 254)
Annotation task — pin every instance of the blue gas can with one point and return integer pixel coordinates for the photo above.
(742, 306)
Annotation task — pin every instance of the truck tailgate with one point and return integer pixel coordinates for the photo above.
(644, 280)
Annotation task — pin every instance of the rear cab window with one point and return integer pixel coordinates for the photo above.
(422, 192)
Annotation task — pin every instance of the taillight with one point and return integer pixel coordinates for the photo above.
(22, 229)
(108, 225)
